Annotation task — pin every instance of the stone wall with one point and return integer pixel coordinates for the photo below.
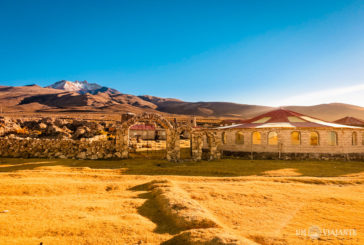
(87, 149)
(55, 148)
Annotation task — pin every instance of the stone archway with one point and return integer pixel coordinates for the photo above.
(122, 135)
(179, 130)
(197, 145)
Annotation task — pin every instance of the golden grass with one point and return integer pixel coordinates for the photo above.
(106, 202)
(210, 236)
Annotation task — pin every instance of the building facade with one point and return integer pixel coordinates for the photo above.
(282, 133)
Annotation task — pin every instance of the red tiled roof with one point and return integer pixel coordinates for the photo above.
(282, 118)
(142, 127)
(280, 115)
(350, 121)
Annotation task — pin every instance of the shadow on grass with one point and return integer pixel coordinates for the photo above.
(150, 210)
(221, 168)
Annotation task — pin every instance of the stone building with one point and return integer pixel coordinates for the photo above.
(287, 134)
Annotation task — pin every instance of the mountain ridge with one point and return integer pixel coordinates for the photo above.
(97, 98)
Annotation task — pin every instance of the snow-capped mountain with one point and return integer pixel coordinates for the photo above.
(81, 87)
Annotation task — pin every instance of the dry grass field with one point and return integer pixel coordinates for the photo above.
(109, 202)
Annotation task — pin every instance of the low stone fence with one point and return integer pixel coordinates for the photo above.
(55, 148)
(293, 156)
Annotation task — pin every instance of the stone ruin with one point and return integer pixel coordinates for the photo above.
(50, 128)
(80, 139)
(173, 132)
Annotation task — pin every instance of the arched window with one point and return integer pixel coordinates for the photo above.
(354, 139)
(223, 137)
(239, 138)
(272, 138)
(332, 138)
(314, 138)
(295, 138)
(256, 138)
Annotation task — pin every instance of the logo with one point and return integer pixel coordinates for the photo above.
(314, 232)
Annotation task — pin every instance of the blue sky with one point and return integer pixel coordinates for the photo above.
(254, 52)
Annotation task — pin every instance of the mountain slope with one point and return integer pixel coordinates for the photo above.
(97, 102)
(330, 112)
(156, 100)
(82, 96)
(11, 97)
(219, 109)
(38, 99)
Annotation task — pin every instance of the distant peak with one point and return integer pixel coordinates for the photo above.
(82, 82)
(81, 87)
(76, 86)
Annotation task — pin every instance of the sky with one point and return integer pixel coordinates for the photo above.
(274, 53)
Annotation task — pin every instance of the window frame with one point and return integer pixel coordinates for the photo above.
(240, 141)
(268, 137)
(336, 143)
(352, 138)
(223, 138)
(260, 137)
(299, 138)
(318, 138)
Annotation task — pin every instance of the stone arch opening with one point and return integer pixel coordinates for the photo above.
(207, 151)
(123, 137)
(184, 135)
